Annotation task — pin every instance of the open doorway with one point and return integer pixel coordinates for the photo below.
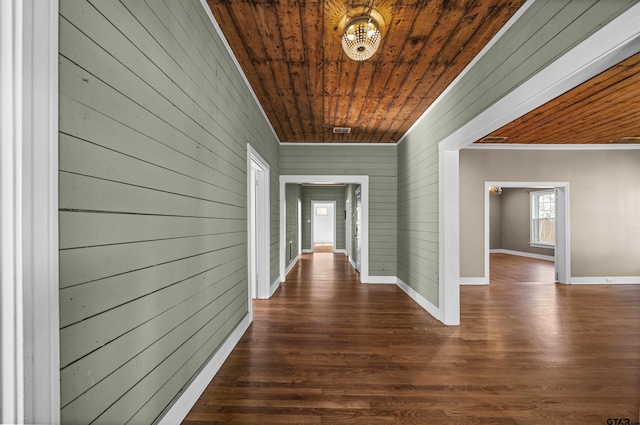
(341, 214)
(528, 219)
(358, 229)
(257, 225)
(323, 226)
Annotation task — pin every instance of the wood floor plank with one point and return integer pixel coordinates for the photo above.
(327, 349)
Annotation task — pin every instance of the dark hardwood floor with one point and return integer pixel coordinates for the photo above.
(326, 349)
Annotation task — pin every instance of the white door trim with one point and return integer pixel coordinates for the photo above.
(363, 181)
(299, 227)
(562, 249)
(313, 208)
(258, 239)
(610, 45)
(29, 359)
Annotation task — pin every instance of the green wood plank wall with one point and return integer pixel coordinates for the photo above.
(294, 194)
(323, 194)
(548, 29)
(380, 164)
(154, 122)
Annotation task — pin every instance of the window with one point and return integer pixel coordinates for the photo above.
(321, 211)
(543, 218)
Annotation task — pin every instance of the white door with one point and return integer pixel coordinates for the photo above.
(358, 228)
(323, 222)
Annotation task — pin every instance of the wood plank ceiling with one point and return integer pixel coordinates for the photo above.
(291, 53)
(605, 109)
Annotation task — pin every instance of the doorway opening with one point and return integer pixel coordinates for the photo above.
(257, 226)
(323, 226)
(519, 223)
(362, 182)
(358, 230)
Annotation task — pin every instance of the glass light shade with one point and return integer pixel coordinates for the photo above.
(495, 191)
(361, 38)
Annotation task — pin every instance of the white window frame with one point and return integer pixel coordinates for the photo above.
(533, 236)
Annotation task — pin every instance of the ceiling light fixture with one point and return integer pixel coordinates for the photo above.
(495, 190)
(361, 38)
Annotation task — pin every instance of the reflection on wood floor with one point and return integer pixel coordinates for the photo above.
(322, 247)
(326, 349)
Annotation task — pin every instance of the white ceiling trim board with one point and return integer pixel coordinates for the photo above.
(331, 144)
(550, 147)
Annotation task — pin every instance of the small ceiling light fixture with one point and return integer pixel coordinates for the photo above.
(495, 190)
(361, 38)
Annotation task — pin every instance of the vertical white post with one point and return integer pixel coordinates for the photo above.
(11, 360)
(29, 218)
(449, 279)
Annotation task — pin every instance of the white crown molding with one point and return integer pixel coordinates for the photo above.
(554, 147)
(331, 144)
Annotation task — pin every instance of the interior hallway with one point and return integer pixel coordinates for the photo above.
(327, 349)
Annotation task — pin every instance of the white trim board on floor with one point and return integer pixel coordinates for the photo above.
(422, 301)
(523, 254)
(176, 412)
(606, 280)
(383, 280)
(474, 281)
(363, 181)
(274, 287)
(292, 264)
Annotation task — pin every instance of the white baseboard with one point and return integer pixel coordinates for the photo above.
(384, 280)
(474, 281)
(307, 251)
(340, 251)
(523, 254)
(291, 265)
(422, 301)
(192, 392)
(274, 287)
(353, 264)
(606, 280)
